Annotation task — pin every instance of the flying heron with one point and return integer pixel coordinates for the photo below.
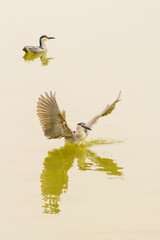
(42, 45)
(54, 124)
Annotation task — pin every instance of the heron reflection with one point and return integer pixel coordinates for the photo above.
(30, 56)
(54, 177)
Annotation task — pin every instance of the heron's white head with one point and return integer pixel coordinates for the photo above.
(82, 127)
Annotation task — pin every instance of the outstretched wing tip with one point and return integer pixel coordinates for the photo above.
(47, 95)
(119, 95)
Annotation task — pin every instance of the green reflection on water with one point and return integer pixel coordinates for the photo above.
(54, 177)
(32, 56)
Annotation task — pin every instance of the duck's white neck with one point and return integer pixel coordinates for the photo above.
(43, 44)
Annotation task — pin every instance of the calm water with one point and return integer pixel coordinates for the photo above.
(107, 188)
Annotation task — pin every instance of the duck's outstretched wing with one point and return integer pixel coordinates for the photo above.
(105, 112)
(52, 120)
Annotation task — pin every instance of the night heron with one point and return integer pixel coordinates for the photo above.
(53, 121)
(42, 45)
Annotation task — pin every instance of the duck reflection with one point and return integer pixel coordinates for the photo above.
(54, 177)
(30, 56)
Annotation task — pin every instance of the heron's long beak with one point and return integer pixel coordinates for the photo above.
(86, 127)
(51, 37)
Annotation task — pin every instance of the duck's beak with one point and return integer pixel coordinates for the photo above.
(51, 37)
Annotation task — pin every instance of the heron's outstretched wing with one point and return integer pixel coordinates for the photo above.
(105, 112)
(52, 120)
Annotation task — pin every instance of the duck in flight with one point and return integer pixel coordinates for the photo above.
(42, 45)
(54, 124)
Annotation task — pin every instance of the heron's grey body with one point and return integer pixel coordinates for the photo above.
(42, 45)
(54, 124)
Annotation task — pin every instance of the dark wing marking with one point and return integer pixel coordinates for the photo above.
(33, 49)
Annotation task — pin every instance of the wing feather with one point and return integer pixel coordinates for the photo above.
(52, 120)
(105, 112)
(33, 49)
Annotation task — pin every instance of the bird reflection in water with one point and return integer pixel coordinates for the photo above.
(54, 177)
(30, 56)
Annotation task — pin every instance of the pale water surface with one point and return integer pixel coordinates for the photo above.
(107, 188)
